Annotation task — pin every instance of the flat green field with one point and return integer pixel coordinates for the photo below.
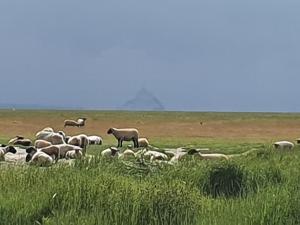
(260, 188)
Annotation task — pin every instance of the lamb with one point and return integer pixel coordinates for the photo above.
(74, 154)
(72, 123)
(284, 145)
(41, 144)
(129, 134)
(143, 142)
(81, 141)
(95, 140)
(110, 152)
(38, 158)
(6, 149)
(19, 140)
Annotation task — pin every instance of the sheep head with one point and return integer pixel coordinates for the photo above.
(110, 131)
(11, 149)
(30, 152)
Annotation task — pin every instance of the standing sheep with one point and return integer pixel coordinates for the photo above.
(129, 134)
(5, 150)
(72, 123)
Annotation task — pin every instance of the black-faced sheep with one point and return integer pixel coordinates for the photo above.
(129, 134)
(6, 149)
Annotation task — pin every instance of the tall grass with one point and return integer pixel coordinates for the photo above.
(261, 188)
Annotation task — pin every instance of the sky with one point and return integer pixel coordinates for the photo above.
(193, 55)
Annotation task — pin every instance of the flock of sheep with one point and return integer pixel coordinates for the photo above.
(50, 146)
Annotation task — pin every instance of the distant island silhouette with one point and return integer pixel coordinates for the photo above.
(144, 100)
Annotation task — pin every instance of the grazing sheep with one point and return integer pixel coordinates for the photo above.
(143, 142)
(284, 145)
(81, 141)
(129, 134)
(41, 144)
(38, 158)
(72, 123)
(6, 149)
(95, 140)
(74, 154)
(110, 152)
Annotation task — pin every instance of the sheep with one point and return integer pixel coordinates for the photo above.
(74, 154)
(284, 145)
(52, 137)
(110, 152)
(11, 141)
(212, 156)
(41, 144)
(19, 140)
(143, 142)
(38, 158)
(129, 134)
(81, 141)
(95, 140)
(53, 151)
(127, 154)
(154, 155)
(6, 149)
(72, 123)
(64, 148)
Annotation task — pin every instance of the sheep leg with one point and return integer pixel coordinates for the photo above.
(136, 143)
(119, 143)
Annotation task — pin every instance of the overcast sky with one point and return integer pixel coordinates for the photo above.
(233, 55)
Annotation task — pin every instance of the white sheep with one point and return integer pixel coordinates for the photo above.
(143, 142)
(212, 156)
(127, 154)
(95, 140)
(154, 155)
(64, 148)
(41, 159)
(6, 149)
(19, 140)
(52, 137)
(74, 154)
(41, 144)
(72, 123)
(110, 152)
(284, 145)
(129, 134)
(53, 151)
(81, 141)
